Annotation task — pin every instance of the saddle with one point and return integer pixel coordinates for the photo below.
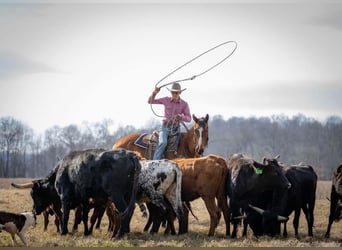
(150, 142)
(146, 140)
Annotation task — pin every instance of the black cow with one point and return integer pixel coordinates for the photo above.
(99, 174)
(246, 180)
(301, 196)
(335, 199)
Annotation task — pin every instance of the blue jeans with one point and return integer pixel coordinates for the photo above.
(162, 142)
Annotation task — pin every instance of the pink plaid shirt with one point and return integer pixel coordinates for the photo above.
(172, 108)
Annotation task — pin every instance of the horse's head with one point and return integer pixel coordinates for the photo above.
(201, 134)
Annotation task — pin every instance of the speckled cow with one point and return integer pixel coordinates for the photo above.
(160, 180)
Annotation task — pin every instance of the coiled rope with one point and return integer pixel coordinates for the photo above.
(194, 76)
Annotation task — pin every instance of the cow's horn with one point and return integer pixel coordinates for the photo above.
(277, 157)
(282, 218)
(259, 210)
(26, 185)
(240, 217)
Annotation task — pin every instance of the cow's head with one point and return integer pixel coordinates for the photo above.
(43, 193)
(271, 174)
(337, 180)
(201, 135)
(268, 221)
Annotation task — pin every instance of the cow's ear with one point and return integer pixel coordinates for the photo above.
(36, 184)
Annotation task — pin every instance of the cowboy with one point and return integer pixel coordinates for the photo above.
(176, 110)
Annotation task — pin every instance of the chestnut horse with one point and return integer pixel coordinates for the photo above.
(192, 143)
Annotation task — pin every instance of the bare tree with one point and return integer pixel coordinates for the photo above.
(14, 136)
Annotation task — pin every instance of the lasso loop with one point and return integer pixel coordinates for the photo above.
(194, 76)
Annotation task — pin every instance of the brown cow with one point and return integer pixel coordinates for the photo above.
(205, 178)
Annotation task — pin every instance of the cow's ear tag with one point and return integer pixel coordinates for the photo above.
(258, 171)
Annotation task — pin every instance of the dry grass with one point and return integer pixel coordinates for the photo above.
(15, 200)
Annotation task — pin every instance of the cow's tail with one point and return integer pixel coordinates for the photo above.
(180, 212)
(179, 189)
(137, 169)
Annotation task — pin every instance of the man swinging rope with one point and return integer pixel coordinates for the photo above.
(176, 110)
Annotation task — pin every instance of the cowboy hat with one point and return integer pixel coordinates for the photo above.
(176, 88)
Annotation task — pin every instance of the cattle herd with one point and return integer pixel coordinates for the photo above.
(243, 191)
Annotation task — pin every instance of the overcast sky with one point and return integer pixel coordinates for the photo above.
(63, 64)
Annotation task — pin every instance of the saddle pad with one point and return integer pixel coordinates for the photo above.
(144, 140)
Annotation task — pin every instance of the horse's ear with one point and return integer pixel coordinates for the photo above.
(194, 118)
(207, 118)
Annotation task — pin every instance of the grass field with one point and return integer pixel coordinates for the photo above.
(15, 200)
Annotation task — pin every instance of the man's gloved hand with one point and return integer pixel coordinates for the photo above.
(179, 117)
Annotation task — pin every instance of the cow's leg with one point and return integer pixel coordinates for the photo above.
(100, 216)
(96, 217)
(116, 222)
(158, 209)
(110, 214)
(85, 211)
(308, 219)
(213, 212)
(311, 207)
(178, 209)
(57, 222)
(157, 222)
(58, 217)
(245, 227)
(163, 209)
(65, 218)
(170, 227)
(46, 219)
(154, 214)
(223, 205)
(186, 219)
(78, 218)
(331, 218)
(93, 219)
(121, 205)
(151, 212)
(333, 205)
(296, 221)
(285, 230)
(235, 213)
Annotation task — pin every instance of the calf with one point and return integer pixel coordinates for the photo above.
(16, 224)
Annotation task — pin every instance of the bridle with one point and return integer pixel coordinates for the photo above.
(199, 140)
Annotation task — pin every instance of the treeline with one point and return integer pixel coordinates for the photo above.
(299, 139)
(296, 139)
